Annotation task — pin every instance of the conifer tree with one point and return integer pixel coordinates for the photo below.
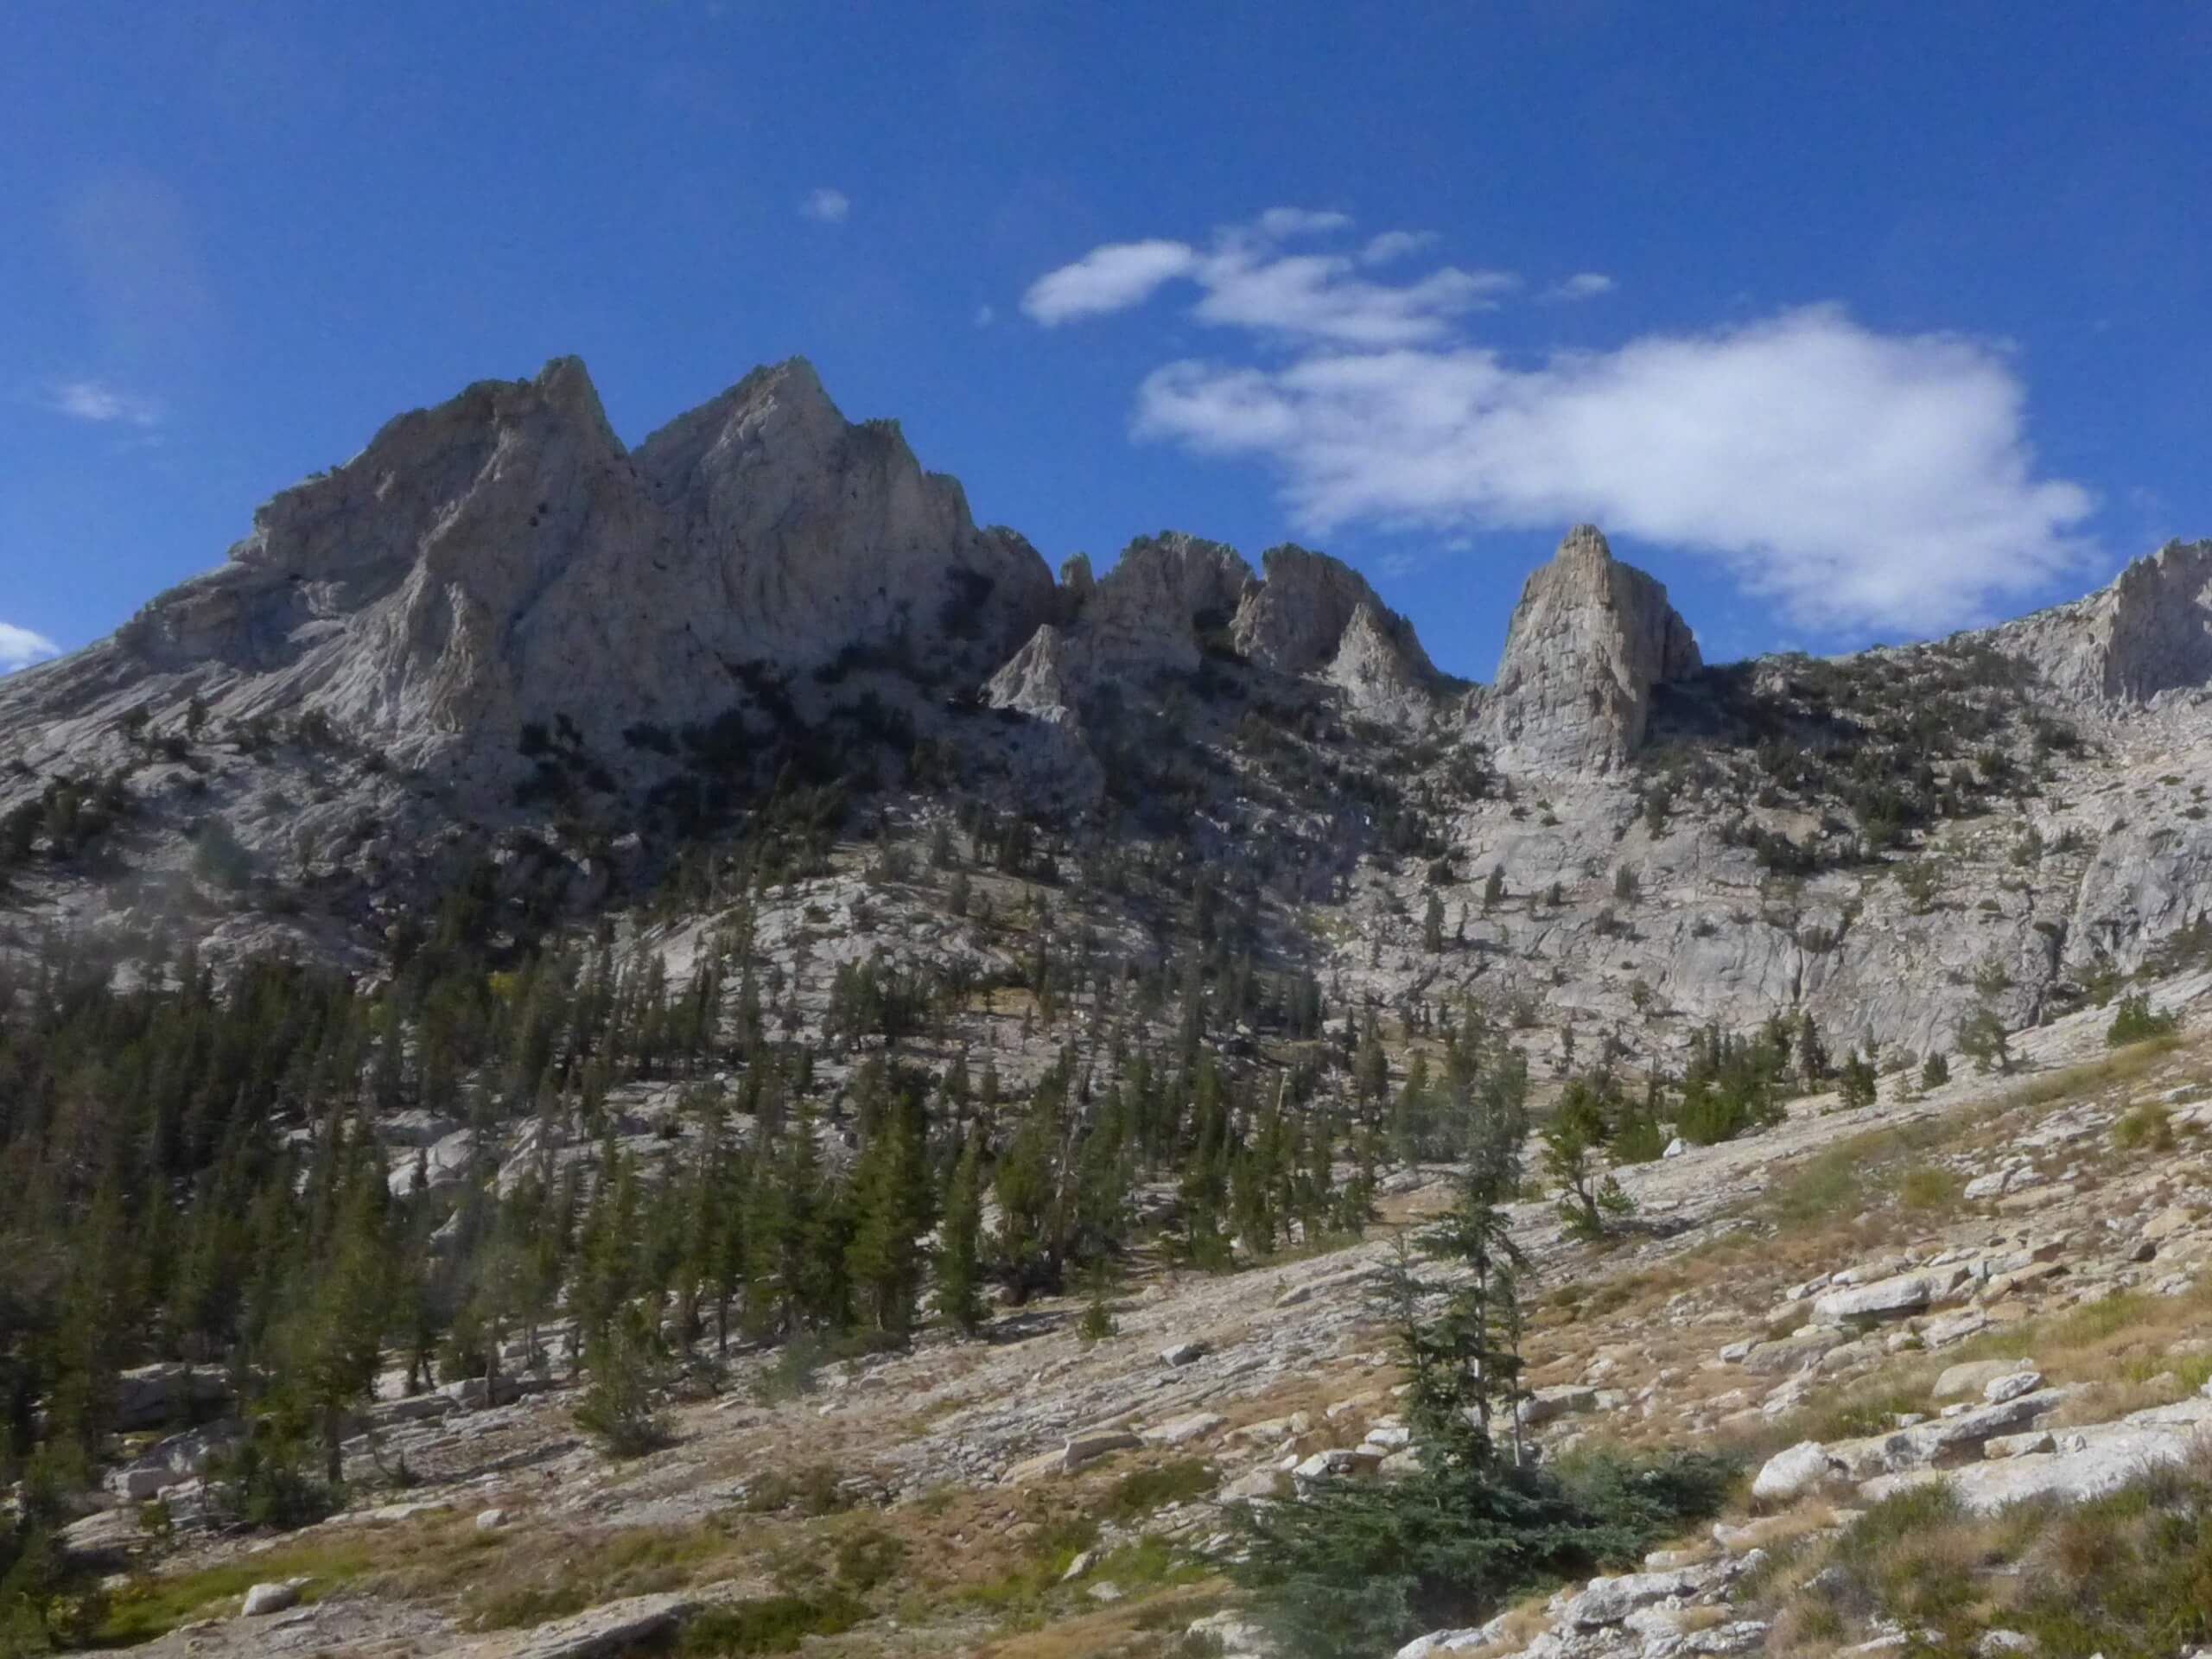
(891, 1211)
(959, 1300)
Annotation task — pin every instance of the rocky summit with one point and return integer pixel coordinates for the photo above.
(610, 1050)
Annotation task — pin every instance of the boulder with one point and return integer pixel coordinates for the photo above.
(264, 1599)
(1180, 1431)
(1799, 1351)
(616, 1627)
(1093, 1443)
(1894, 1298)
(1461, 1640)
(1960, 1382)
(1608, 1601)
(147, 1396)
(2106, 1460)
(1546, 1404)
(1788, 1475)
(1341, 1462)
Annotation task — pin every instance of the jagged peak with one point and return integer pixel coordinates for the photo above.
(777, 406)
(1588, 639)
(1296, 616)
(1583, 543)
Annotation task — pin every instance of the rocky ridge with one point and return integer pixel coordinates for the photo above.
(498, 631)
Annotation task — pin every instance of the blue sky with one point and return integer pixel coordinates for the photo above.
(1849, 322)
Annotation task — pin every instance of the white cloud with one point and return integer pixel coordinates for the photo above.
(1315, 296)
(1858, 479)
(20, 648)
(1394, 244)
(1285, 222)
(830, 207)
(1582, 285)
(1109, 278)
(96, 400)
(986, 315)
(1246, 280)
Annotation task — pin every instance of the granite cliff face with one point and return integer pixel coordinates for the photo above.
(1589, 639)
(2149, 632)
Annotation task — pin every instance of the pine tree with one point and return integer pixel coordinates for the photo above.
(891, 1211)
(1812, 1053)
(338, 1338)
(626, 1361)
(959, 1300)
(1571, 1141)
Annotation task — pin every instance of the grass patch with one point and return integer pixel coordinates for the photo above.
(1024, 1588)
(1140, 1491)
(1828, 1184)
(2128, 1575)
(817, 1489)
(149, 1607)
(1849, 1176)
(1930, 1186)
(769, 1623)
(587, 1571)
(1864, 1412)
(1148, 1564)
(2147, 1128)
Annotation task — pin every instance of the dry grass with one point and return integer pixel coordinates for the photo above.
(2128, 1575)
(1151, 1629)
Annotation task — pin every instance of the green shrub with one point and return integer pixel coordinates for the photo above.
(2149, 1126)
(815, 1489)
(2137, 1021)
(769, 1623)
(1357, 1569)
(1142, 1490)
(618, 1407)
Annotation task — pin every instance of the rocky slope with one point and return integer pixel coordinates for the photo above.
(1997, 1283)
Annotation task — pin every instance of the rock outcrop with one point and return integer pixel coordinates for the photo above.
(1171, 599)
(1314, 614)
(1588, 641)
(2149, 631)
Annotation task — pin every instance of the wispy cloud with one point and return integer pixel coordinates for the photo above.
(1247, 279)
(99, 401)
(1109, 278)
(20, 648)
(986, 315)
(827, 205)
(1394, 244)
(1582, 285)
